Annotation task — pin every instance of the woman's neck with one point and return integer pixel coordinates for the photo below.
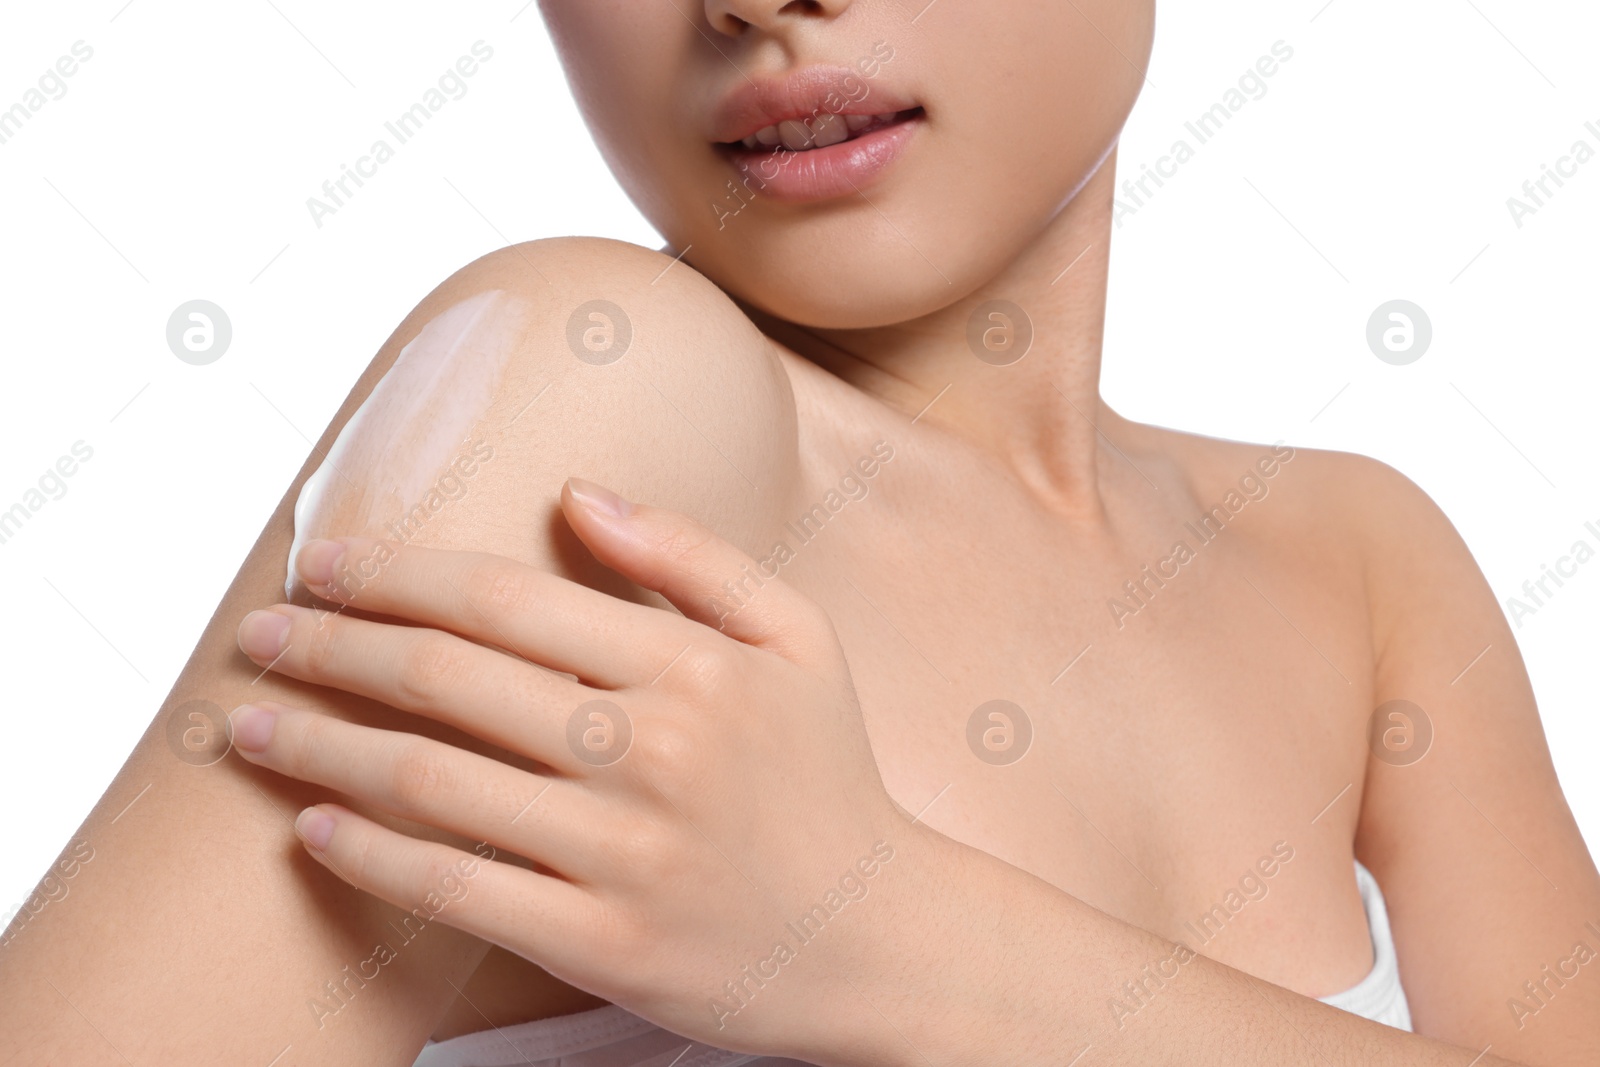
(952, 369)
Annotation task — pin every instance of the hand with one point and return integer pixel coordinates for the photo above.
(707, 809)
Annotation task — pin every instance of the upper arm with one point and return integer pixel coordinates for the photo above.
(1487, 878)
(198, 892)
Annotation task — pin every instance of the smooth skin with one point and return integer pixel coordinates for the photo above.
(723, 707)
(198, 892)
(1229, 714)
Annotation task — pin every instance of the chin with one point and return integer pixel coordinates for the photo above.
(844, 276)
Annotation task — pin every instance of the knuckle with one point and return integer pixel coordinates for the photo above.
(813, 620)
(500, 589)
(435, 869)
(649, 853)
(361, 569)
(667, 751)
(821, 637)
(296, 738)
(678, 544)
(358, 858)
(709, 669)
(430, 667)
(321, 644)
(417, 774)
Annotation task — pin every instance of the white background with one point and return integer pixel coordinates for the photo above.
(178, 163)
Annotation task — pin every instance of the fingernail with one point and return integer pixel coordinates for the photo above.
(316, 826)
(250, 726)
(317, 561)
(599, 498)
(262, 634)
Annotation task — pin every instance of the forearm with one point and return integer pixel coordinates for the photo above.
(990, 964)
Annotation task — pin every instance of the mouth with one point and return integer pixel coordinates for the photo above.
(825, 158)
(820, 133)
(810, 135)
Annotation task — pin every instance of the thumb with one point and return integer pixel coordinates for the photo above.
(709, 580)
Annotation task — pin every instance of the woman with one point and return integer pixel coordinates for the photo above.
(995, 727)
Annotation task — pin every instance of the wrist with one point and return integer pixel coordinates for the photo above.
(907, 981)
(953, 959)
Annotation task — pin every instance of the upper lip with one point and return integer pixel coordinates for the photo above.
(758, 103)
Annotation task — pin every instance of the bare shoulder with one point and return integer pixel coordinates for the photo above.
(1415, 569)
(1372, 535)
(1459, 775)
(1341, 498)
(623, 366)
(608, 322)
(1458, 772)
(1328, 503)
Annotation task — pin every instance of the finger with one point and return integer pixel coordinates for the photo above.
(423, 780)
(705, 577)
(539, 616)
(534, 915)
(508, 702)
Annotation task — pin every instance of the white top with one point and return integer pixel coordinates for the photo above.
(1378, 996)
(613, 1037)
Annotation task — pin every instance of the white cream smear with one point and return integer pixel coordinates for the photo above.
(411, 433)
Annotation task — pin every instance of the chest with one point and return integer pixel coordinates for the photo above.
(1140, 735)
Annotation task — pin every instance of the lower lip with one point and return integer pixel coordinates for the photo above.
(842, 169)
